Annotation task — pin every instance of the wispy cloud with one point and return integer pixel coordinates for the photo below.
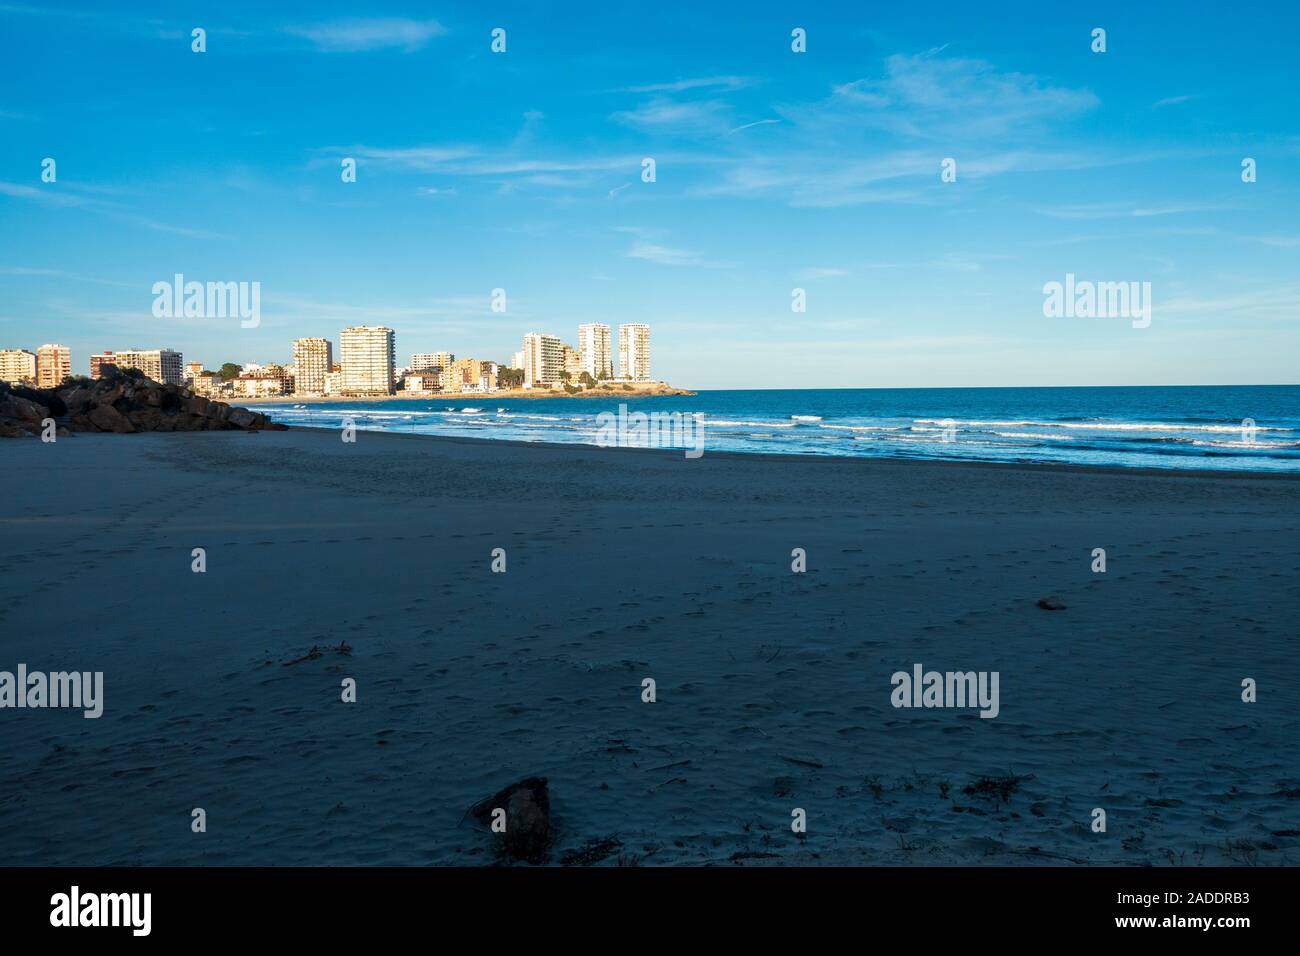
(762, 122)
(696, 83)
(473, 161)
(1122, 210)
(931, 96)
(59, 195)
(351, 36)
(1174, 101)
(665, 114)
(1278, 242)
(1278, 303)
(61, 275)
(663, 255)
(830, 152)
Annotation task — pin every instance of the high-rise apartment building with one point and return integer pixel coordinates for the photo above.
(594, 347)
(192, 372)
(312, 359)
(99, 364)
(543, 359)
(368, 356)
(53, 365)
(634, 352)
(572, 359)
(17, 366)
(160, 365)
(427, 361)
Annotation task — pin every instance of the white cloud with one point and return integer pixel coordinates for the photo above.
(351, 36)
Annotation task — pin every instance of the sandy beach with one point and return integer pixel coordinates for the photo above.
(773, 687)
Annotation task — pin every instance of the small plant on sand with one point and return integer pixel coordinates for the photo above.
(1000, 787)
(1241, 852)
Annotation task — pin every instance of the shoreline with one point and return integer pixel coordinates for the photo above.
(676, 453)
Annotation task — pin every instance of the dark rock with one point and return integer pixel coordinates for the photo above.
(120, 402)
(106, 418)
(19, 410)
(1051, 604)
(242, 417)
(527, 804)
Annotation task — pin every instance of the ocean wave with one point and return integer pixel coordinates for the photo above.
(746, 424)
(1099, 425)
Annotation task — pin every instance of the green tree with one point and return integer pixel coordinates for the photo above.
(230, 370)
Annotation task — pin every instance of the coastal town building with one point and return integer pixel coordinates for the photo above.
(368, 357)
(17, 366)
(425, 361)
(312, 359)
(210, 385)
(469, 375)
(161, 365)
(594, 347)
(634, 352)
(543, 359)
(422, 382)
(266, 383)
(517, 360)
(53, 365)
(572, 362)
(100, 364)
(192, 371)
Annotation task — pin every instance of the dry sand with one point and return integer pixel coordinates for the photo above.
(773, 687)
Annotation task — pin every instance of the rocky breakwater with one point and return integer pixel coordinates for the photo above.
(120, 402)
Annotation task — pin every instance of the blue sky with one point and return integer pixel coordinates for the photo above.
(775, 170)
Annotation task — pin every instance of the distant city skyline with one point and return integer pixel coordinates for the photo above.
(780, 178)
(368, 365)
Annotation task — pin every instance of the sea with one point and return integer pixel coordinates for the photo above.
(1240, 428)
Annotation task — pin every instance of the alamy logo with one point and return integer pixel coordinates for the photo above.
(56, 689)
(656, 430)
(179, 299)
(103, 909)
(923, 688)
(1085, 299)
